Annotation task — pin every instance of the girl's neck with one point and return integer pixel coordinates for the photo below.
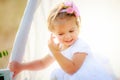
(63, 47)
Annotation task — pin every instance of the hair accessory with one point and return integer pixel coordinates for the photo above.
(70, 8)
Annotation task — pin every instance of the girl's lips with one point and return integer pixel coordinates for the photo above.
(69, 41)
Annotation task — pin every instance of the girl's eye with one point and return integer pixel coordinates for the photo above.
(60, 34)
(71, 31)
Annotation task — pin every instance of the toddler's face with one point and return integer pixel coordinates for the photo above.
(67, 33)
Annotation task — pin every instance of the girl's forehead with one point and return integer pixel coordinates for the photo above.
(65, 23)
(64, 28)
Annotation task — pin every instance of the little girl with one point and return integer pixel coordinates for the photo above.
(71, 53)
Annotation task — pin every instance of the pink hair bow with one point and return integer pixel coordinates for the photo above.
(70, 8)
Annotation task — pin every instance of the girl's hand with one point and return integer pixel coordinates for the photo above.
(15, 67)
(54, 47)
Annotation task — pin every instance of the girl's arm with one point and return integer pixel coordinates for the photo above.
(69, 66)
(34, 65)
(38, 64)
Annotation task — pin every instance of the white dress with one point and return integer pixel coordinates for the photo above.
(90, 69)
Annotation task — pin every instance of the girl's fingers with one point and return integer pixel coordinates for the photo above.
(53, 46)
(52, 37)
(15, 73)
(11, 66)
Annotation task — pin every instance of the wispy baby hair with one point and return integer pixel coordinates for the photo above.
(63, 12)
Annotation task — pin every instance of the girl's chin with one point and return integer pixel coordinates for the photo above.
(68, 44)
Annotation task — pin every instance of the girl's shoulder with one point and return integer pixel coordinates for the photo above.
(80, 43)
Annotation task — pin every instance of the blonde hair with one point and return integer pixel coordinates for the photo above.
(57, 16)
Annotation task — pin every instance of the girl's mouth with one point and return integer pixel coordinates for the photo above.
(70, 41)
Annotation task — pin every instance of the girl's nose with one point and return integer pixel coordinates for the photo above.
(67, 36)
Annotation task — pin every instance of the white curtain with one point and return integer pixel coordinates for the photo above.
(100, 28)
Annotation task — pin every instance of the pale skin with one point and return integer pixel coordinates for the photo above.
(67, 34)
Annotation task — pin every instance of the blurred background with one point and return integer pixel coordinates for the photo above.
(11, 12)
